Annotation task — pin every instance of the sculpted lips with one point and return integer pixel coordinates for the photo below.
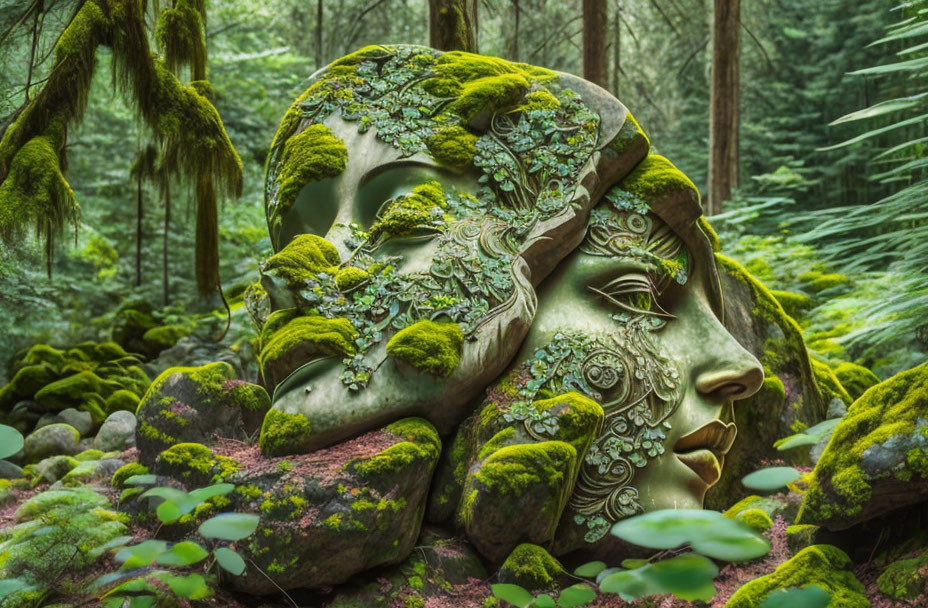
(704, 449)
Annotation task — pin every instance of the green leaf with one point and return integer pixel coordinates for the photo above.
(794, 33)
(230, 560)
(576, 595)
(514, 594)
(11, 441)
(544, 601)
(771, 478)
(808, 597)
(183, 553)
(708, 532)
(192, 586)
(229, 526)
(218, 489)
(142, 554)
(168, 512)
(688, 577)
(140, 480)
(119, 541)
(590, 569)
(12, 585)
(635, 563)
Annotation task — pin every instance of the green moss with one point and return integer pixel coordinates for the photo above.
(43, 353)
(303, 259)
(122, 400)
(742, 505)
(531, 567)
(421, 208)
(125, 472)
(755, 519)
(70, 391)
(656, 176)
(856, 379)
(31, 379)
(349, 277)
(821, 565)
(306, 337)
(800, 536)
(579, 418)
(194, 463)
(429, 346)
(513, 469)
(455, 146)
(838, 486)
(828, 383)
(628, 134)
(283, 433)
(905, 579)
(312, 155)
(91, 454)
(795, 304)
(816, 281)
(164, 337)
(421, 446)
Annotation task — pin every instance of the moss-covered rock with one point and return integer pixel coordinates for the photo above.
(194, 404)
(455, 146)
(283, 433)
(755, 519)
(164, 337)
(71, 391)
(428, 346)
(821, 565)
(905, 578)
(30, 379)
(420, 209)
(856, 379)
(795, 304)
(877, 459)
(530, 567)
(302, 259)
(289, 340)
(835, 396)
(130, 325)
(122, 400)
(51, 440)
(194, 465)
(654, 177)
(800, 536)
(125, 472)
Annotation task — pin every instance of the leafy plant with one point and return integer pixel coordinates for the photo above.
(162, 559)
(11, 441)
(771, 478)
(810, 436)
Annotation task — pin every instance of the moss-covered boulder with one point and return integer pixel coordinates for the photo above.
(162, 338)
(72, 391)
(856, 379)
(195, 404)
(905, 579)
(789, 400)
(822, 565)
(359, 503)
(531, 567)
(130, 324)
(497, 470)
(51, 440)
(877, 459)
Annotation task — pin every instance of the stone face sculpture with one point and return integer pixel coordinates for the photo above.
(486, 247)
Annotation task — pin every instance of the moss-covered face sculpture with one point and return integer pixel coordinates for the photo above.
(414, 198)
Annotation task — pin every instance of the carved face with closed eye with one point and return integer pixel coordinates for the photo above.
(414, 199)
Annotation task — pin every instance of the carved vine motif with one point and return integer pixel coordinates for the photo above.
(530, 161)
(626, 371)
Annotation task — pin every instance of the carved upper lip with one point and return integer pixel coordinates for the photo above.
(704, 449)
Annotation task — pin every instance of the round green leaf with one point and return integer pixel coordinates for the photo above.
(808, 597)
(576, 595)
(795, 441)
(12, 585)
(544, 601)
(688, 577)
(192, 587)
(230, 560)
(183, 554)
(142, 554)
(514, 594)
(11, 441)
(708, 532)
(141, 480)
(229, 526)
(771, 478)
(590, 569)
(201, 495)
(168, 512)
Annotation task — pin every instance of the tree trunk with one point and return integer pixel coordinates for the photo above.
(616, 48)
(207, 243)
(167, 229)
(514, 42)
(452, 25)
(595, 20)
(138, 230)
(318, 50)
(723, 104)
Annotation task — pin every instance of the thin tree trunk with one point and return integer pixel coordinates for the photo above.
(167, 230)
(452, 25)
(207, 242)
(40, 7)
(595, 20)
(514, 43)
(616, 48)
(318, 50)
(724, 104)
(138, 230)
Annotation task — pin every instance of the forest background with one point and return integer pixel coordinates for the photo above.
(835, 214)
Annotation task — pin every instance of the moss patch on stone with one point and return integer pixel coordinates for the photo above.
(421, 443)
(855, 379)
(656, 176)
(821, 565)
(303, 259)
(422, 208)
(283, 433)
(840, 486)
(194, 463)
(429, 346)
(126, 471)
(164, 337)
(288, 341)
(531, 567)
(349, 277)
(312, 155)
(906, 578)
(70, 391)
(453, 146)
(755, 519)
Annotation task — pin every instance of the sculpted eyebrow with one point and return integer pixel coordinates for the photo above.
(399, 164)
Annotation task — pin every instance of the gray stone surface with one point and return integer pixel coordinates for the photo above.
(79, 420)
(117, 432)
(51, 440)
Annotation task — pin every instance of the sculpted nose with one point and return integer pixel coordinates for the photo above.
(736, 374)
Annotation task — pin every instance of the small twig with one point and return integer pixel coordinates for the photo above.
(287, 595)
